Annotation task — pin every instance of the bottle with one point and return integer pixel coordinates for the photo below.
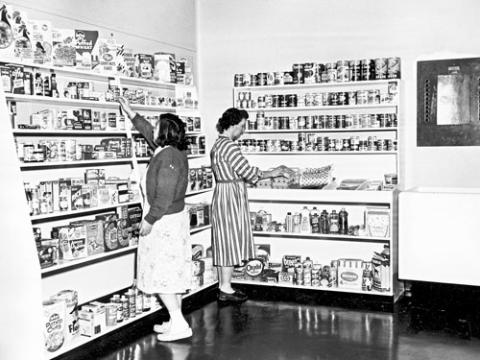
(125, 307)
(289, 222)
(53, 85)
(147, 299)
(305, 227)
(47, 90)
(315, 220)
(324, 226)
(333, 223)
(343, 221)
(188, 101)
(297, 220)
(307, 272)
(133, 291)
(132, 308)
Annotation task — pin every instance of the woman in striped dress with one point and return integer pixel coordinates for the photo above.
(232, 239)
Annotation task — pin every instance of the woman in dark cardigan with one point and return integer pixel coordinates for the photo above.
(164, 250)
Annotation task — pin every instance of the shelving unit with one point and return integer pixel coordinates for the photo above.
(118, 264)
(369, 165)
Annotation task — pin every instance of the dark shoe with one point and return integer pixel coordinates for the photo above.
(236, 297)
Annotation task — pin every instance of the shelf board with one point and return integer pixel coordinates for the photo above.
(312, 196)
(159, 108)
(77, 163)
(321, 288)
(199, 229)
(347, 153)
(42, 132)
(328, 237)
(286, 131)
(80, 212)
(68, 265)
(62, 101)
(315, 108)
(316, 85)
(196, 192)
(146, 83)
(83, 340)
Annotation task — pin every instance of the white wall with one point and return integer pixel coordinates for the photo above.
(241, 36)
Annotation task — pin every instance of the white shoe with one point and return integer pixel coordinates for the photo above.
(175, 335)
(162, 328)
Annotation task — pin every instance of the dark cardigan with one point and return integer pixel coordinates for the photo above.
(167, 176)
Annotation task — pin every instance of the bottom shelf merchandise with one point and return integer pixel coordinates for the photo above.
(349, 275)
(68, 326)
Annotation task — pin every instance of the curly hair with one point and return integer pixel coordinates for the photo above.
(172, 132)
(231, 117)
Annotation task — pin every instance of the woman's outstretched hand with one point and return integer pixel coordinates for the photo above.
(127, 109)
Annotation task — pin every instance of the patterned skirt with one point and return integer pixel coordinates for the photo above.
(232, 239)
(165, 256)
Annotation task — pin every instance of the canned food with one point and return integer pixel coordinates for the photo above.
(287, 78)
(247, 80)
(270, 78)
(333, 98)
(238, 80)
(301, 122)
(331, 72)
(393, 68)
(348, 121)
(297, 74)
(309, 73)
(330, 122)
(317, 99)
(261, 102)
(291, 100)
(355, 70)
(261, 79)
(292, 123)
(351, 98)
(282, 100)
(365, 69)
(364, 120)
(320, 69)
(380, 68)
(279, 78)
(308, 99)
(283, 122)
(323, 122)
(362, 97)
(275, 101)
(342, 98)
(268, 101)
(316, 122)
(308, 122)
(268, 123)
(342, 71)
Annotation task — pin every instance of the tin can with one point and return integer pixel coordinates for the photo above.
(268, 122)
(351, 98)
(380, 68)
(373, 121)
(238, 80)
(297, 74)
(299, 274)
(291, 100)
(288, 77)
(393, 68)
(342, 71)
(275, 101)
(371, 97)
(261, 79)
(364, 121)
(261, 102)
(308, 73)
(322, 121)
(365, 69)
(270, 78)
(316, 122)
(308, 99)
(282, 122)
(348, 121)
(331, 72)
(354, 70)
(393, 120)
(389, 145)
(260, 120)
(247, 80)
(70, 150)
(278, 78)
(318, 72)
(333, 98)
(282, 100)
(268, 101)
(330, 122)
(301, 122)
(342, 98)
(362, 97)
(317, 99)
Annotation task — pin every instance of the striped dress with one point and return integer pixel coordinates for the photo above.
(232, 239)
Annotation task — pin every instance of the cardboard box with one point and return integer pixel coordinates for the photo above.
(144, 65)
(42, 41)
(64, 52)
(85, 42)
(350, 273)
(165, 67)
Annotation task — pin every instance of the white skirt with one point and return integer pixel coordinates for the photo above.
(164, 257)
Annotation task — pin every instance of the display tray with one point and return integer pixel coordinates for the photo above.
(82, 340)
(351, 291)
(312, 196)
(329, 237)
(316, 85)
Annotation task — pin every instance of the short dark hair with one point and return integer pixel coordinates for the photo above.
(231, 117)
(172, 132)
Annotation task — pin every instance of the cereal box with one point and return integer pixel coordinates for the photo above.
(85, 41)
(42, 42)
(64, 52)
(144, 66)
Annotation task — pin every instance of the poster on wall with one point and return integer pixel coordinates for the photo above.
(448, 111)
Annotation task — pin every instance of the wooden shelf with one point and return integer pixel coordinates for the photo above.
(287, 131)
(66, 265)
(327, 237)
(147, 83)
(42, 132)
(316, 288)
(74, 163)
(312, 196)
(62, 101)
(80, 212)
(318, 108)
(199, 229)
(336, 153)
(316, 85)
(192, 193)
(159, 108)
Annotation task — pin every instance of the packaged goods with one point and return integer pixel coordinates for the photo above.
(165, 67)
(198, 267)
(125, 61)
(197, 251)
(135, 219)
(47, 253)
(123, 227)
(42, 42)
(144, 66)
(285, 277)
(111, 314)
(110, 231)
(16, 40)
(85, 42)
(54, 312)
(350, 274)
(94, 236)
(254, 268)
(70, 297)
(72, 241)
(377, 222)
(289, 261)
(64, 52)
(107, 54)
